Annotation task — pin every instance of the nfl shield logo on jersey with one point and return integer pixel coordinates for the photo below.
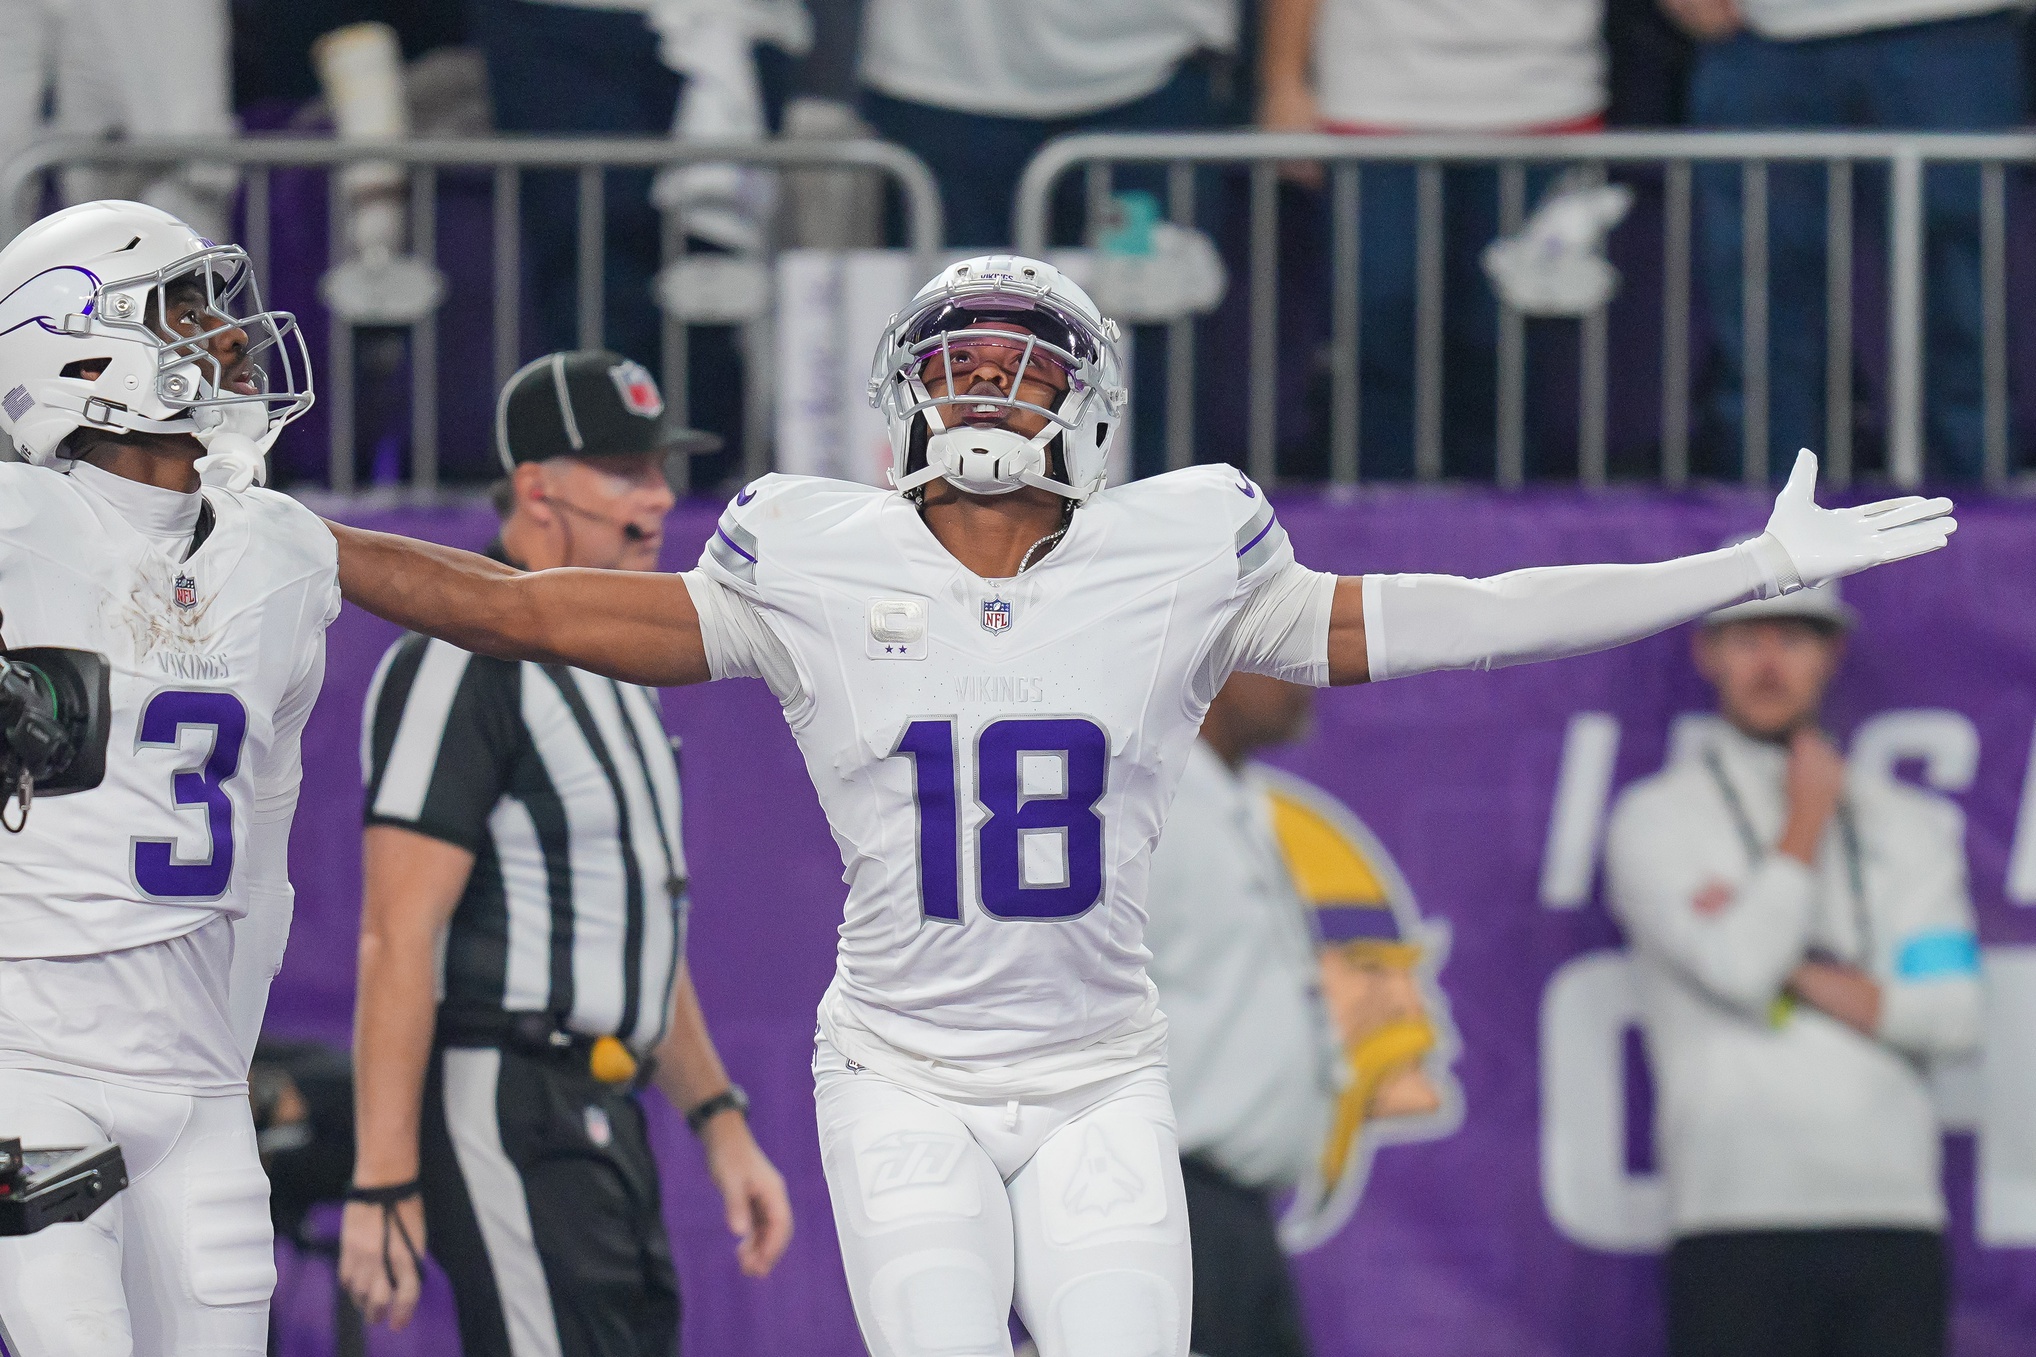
(639, 393)
(996, 615)
(186, 593)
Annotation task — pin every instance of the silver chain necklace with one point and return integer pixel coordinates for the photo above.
(1025, 561)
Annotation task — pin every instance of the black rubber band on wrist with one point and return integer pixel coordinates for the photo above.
(727, 1100)
(386, 1196)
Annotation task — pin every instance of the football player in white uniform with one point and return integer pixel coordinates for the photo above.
(995, 671)
(141, 921)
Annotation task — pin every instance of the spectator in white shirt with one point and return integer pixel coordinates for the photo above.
(121, 68)
(1375, 67)
(1250, 1051)
(976, 86)
(1805, 948)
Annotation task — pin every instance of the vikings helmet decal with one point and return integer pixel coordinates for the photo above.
(115, 315)
(1379, 964)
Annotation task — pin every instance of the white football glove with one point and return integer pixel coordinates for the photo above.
(1818, 545)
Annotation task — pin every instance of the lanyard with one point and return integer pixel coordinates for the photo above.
(1848, 838)
(675, 884)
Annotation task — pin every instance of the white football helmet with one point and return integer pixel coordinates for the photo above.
(94, 284)
(978, 301)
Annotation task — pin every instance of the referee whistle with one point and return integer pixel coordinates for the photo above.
(611, 1062)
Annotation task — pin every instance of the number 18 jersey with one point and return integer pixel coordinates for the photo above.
(996, 757)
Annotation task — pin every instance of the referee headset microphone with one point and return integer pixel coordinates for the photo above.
(631, 530)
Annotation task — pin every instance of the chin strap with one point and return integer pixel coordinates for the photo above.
(236, 439)
(985, 461)
(232, 461)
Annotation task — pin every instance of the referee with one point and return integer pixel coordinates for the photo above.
(522, 969)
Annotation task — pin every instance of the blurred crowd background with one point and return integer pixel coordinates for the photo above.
(975, 91)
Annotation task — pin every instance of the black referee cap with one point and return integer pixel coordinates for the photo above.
(586, 403)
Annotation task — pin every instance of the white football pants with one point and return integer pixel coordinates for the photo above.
(182, 1263)
(141, 68)
(947, 1210)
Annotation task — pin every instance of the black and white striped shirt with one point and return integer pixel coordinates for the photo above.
(564, 787)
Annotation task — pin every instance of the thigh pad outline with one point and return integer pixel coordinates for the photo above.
(231, 1243)
(940, 1303)
(908, 1171)
(1102, 1179)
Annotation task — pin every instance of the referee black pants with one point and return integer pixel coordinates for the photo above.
(1244, 1295)
(1807, 1293)
(541, 1204)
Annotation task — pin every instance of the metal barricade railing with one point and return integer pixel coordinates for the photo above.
(509, 159)
(1905, 157)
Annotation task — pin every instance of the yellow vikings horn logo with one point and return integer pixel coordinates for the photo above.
(1379, 962)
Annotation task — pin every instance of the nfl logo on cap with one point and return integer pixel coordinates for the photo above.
(996, 615)
(639, 393)
(186, 593)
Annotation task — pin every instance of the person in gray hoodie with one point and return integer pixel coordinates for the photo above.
(1805, 947)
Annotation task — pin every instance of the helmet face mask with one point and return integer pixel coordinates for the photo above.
(210, 297)
(956, 364)
(1060, 371)
(177, 342)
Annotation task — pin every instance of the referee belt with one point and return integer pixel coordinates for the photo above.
(540, 1036)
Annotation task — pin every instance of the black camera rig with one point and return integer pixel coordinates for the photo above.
(39, 1188)
(54, 709)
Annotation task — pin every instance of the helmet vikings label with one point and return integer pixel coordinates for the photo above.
(1379, 960)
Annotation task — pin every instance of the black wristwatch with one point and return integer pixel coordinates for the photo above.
(730, 1098)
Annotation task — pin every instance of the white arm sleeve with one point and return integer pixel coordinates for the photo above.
(1417, 623)
(739, 643)
(260, 936)
(1282, 630)
(263, 932)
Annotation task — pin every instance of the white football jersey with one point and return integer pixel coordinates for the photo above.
(216, 662)
(996, 757)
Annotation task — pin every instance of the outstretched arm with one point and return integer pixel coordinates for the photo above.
(1387, 626)
(639, 627)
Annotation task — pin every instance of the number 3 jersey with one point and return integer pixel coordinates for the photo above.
(217, 659)
(996, 757)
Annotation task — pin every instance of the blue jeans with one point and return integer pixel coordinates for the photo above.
(977, 158)
(1388, 294)
(557, 69)
(1954, 74)
(1388, 342)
